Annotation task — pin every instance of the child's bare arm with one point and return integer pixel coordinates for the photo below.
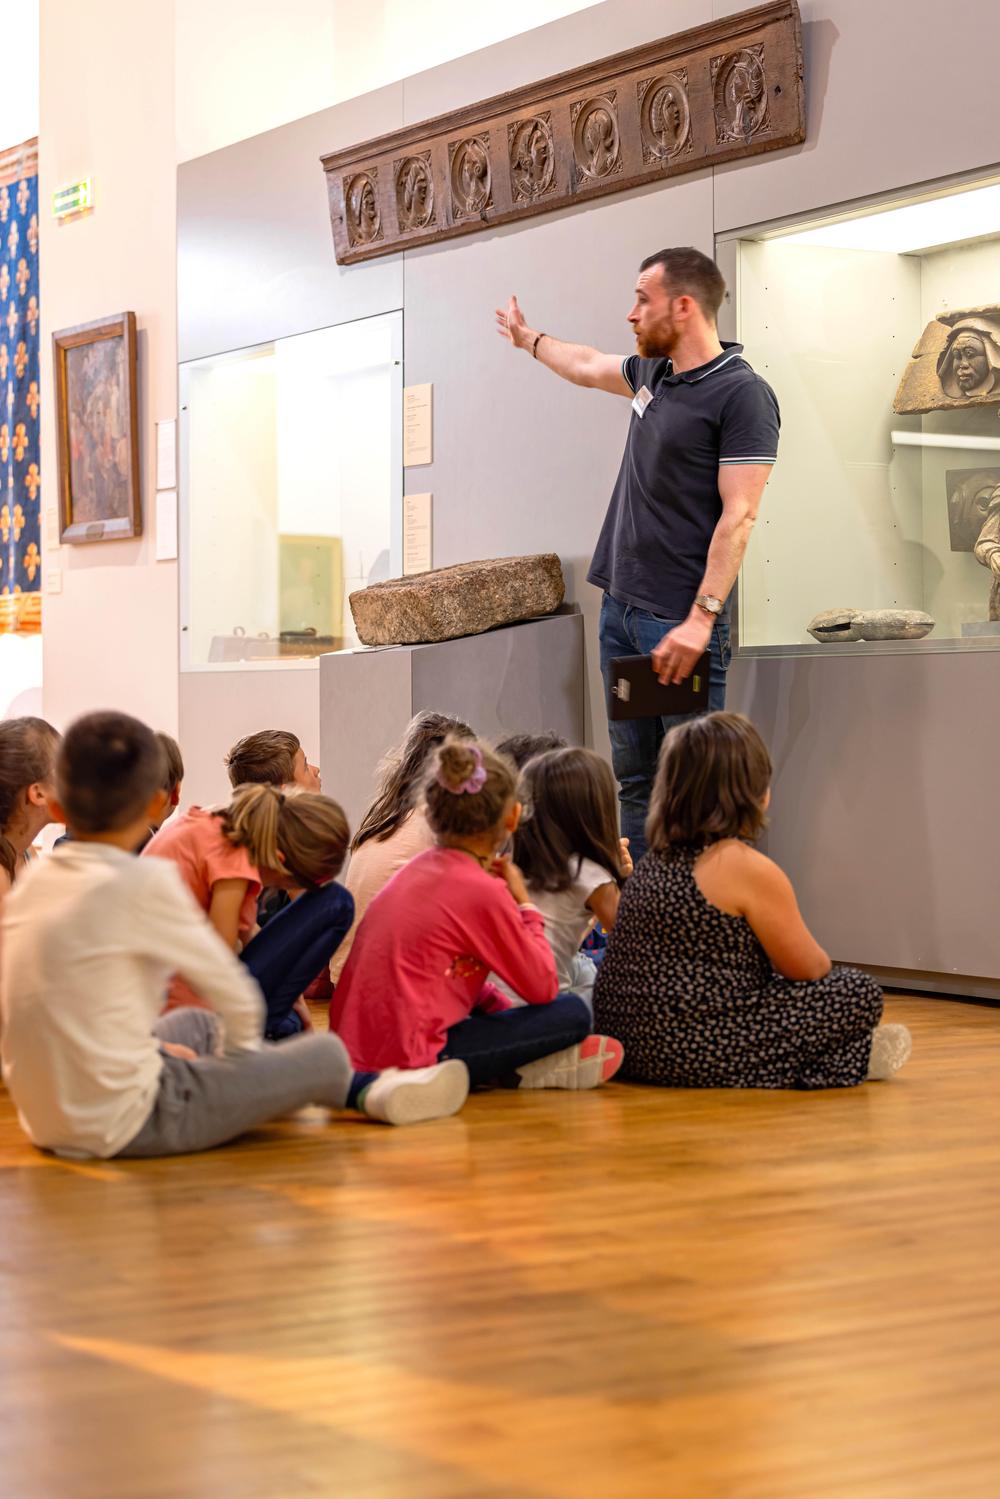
(224, 911)
(604, 902)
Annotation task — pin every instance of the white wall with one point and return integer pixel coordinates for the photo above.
(19, 94)
(245, 66)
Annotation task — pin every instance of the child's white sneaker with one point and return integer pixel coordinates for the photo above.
(891, 1047)
(586, 1065)
(399, 1097)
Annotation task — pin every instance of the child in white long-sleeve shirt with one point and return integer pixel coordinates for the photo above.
(90, 937)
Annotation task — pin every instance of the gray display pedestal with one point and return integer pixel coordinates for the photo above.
(522, 678)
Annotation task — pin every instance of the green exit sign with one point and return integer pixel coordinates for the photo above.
(78, 197)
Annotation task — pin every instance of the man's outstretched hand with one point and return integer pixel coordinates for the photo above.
(678, 653)
(511, 325)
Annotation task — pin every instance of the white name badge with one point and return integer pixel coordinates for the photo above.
(641, 400)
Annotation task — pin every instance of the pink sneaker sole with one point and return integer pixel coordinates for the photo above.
(586, 1065)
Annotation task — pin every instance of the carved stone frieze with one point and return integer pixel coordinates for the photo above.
(740, 95)
(597, 143)
(414, 192)
(471, 176)
(728, 89)
(664, 116)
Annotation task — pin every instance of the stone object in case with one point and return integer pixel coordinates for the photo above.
(450, 602)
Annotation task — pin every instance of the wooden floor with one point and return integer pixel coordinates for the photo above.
(622, 1293)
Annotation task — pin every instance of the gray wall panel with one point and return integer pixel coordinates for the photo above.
(254, 247)
(217, 708)
(881, 114)
(879, 812)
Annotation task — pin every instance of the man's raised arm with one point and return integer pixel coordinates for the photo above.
(574, 362)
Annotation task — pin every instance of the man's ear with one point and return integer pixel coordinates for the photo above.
(157, 805)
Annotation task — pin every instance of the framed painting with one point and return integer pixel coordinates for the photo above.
(97, 416)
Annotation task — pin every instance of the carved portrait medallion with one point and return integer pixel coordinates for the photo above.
(596, 142)
(470, 176)
(364, 217)
(664, 116)
(532, 158)
(740, 94)
(414, 191)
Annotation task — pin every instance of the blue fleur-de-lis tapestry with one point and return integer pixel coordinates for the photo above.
(20, 481)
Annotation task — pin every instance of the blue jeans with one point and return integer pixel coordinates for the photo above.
(493, 1047)
(635, 742)
(296, 945)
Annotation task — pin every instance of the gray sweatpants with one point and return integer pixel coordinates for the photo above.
(206, 1103)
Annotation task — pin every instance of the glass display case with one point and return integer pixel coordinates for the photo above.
(879, 330)
(291, 492)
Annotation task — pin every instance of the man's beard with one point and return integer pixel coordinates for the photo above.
(657, 345)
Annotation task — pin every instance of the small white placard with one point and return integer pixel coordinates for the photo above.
(53, 580)
(166, 455)
(418, 436)
(166, 525)
(417, 533)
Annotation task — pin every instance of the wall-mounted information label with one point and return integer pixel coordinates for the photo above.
(166, 455)
(77, 197)
(417, 510)
(166, 525)
(418, 434)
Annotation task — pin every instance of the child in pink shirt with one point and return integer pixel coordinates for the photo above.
(415, 989)
(265, 837)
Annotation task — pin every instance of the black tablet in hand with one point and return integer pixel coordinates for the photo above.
(635, 692)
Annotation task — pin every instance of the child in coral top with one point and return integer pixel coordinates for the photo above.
(415, 988)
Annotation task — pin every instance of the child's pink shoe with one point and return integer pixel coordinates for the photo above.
(586, 1065)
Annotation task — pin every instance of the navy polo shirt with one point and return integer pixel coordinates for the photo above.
(654, 542)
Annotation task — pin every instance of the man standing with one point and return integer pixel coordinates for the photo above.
(701, 442)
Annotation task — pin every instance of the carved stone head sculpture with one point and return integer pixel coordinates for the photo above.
(970, 493)
(364, 222)
(956, 363)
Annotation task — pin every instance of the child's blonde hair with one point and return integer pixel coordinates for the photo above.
(309, 830)
(711, 781)
(468, 788)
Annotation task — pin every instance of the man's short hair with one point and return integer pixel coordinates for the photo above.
(687, 272)
(108, 768)
(174, 763)
(263, 759)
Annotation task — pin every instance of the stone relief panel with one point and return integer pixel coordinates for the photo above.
(532, 158)
(470, 175)
(414, 192)
(727, 89)
(956, 363)
(739, 88)
(364, 217)
(597, 146)
(664, 116)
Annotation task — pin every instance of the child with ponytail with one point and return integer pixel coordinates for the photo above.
(27, 758)
(415, 991)
(266, 838)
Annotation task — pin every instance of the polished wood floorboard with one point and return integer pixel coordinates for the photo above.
(623, 1293)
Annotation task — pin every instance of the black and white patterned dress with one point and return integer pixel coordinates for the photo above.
(694, 1000)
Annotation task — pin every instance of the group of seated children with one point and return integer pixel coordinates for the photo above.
(154, 1006)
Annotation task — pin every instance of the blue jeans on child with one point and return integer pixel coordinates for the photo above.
(288, 953)
(493, 1047)
(635, 742)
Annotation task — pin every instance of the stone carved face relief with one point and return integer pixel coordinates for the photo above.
(969, 364)
(471, 182)
(414, 193)
(665, 116)
(364, 222)
(532, 158)
(971, 493)
(740, 94)
(595, 137)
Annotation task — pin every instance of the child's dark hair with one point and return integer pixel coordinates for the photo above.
(711, 781)
(109, 766)
(468, 788)
(309, 830)
(27, 755)
(263, 759)
(400, 774)
(524, 747)
(174, 763)
(570, 814)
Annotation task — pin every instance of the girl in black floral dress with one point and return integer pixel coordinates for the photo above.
(711, 978)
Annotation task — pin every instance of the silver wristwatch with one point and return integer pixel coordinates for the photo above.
(710, 604)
